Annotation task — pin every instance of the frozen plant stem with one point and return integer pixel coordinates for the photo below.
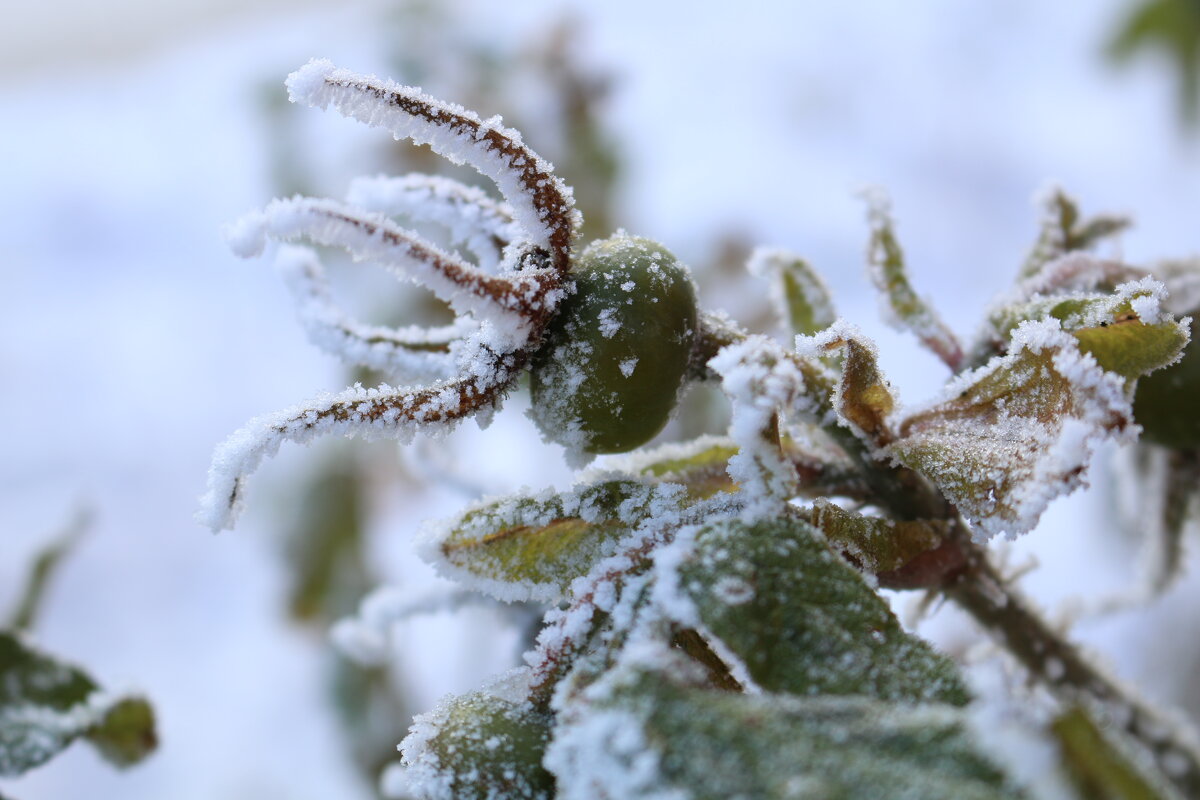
(1066, 672)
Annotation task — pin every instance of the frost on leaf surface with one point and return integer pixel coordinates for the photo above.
(531, 547)
(1011, 436)
(798, 617)
(46, 704)
(643, 733)
(477, 747)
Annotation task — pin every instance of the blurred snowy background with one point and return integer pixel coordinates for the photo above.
(131, 341)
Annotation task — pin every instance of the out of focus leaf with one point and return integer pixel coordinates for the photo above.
(478, 747)
(45, 565)
(1172, 27)
(1101, 770)
(643, 735)
(803, 301)
(1064, 231)
(45, 704)
(532, 547)
(890, 277)
(802, 620)
(325, 547)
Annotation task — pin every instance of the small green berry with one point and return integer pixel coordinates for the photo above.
(608, 375)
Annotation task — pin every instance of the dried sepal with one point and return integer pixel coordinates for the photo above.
(908, 311)
(378, 412)
(541, 203)
(471, 217)
(1063, 231)
(408, 353)
(1009, 437)
(531, 547)
(862, 397)
(522, 300)
(800, 296)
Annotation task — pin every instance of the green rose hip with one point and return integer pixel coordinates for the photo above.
(607, 377)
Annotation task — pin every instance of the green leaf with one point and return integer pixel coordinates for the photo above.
(640, 734)
(478, 747)
(44, 567)
(879, 545)
(125, 735)
(324, 546)
(1015, 434)
(1173, 28)
(801, 296)
(890, 277)
(700, 466)
(532, 547)
(46, 704)
(1064, 231)
(1107, 326)
(1100, 769)
(800, 618)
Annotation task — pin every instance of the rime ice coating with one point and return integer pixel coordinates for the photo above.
(405, 354)
(472, 218)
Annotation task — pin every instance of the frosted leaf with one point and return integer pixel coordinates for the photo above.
(472, 218)
(862, 397)
(1127, 328)
(1008, 438)
(541, 203)
(907, 310)
(805, 623)
(410, 353)
(877, 544)
(379, 412)
(477, 747)
(45, 704)
(507, 299)
(532, 547)
(699, 465)
(800, 296)
(1062, 231)
(644, 732)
